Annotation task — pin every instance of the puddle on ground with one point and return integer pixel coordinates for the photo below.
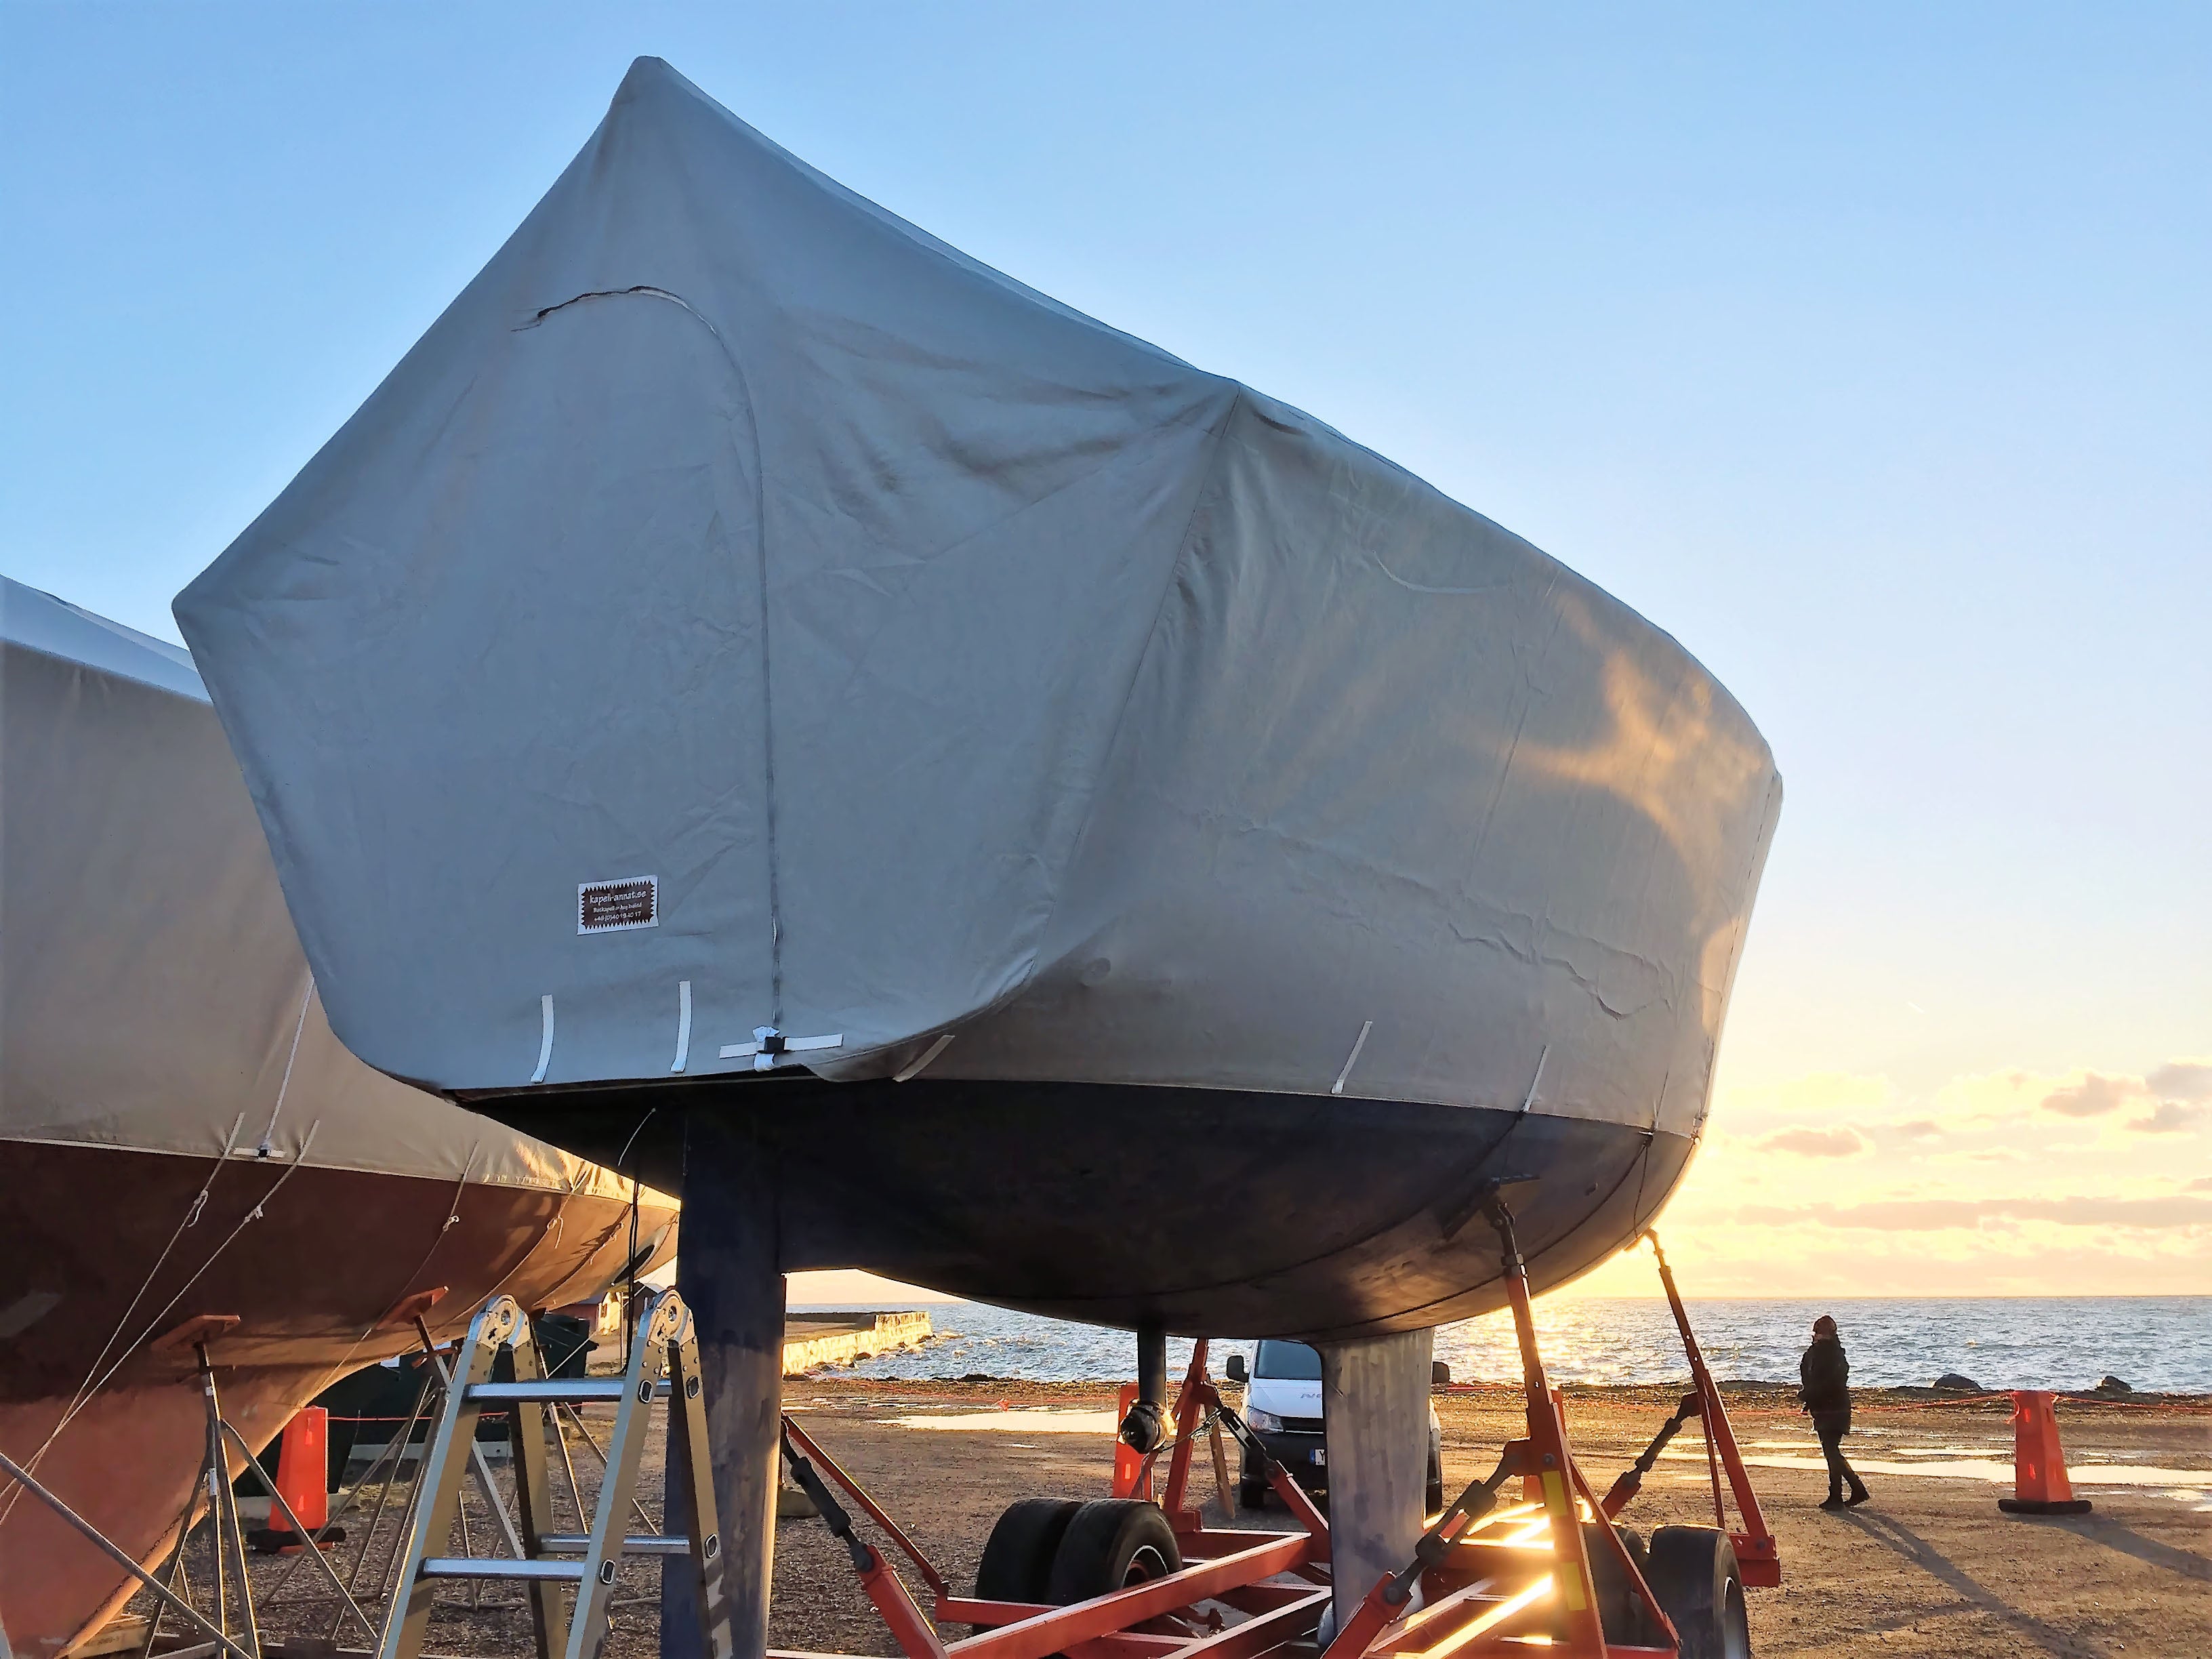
(1977, 1449)
(1996, 1471)
(1103, 1423)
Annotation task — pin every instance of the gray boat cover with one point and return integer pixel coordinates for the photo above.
(742, 613)
(152, 996)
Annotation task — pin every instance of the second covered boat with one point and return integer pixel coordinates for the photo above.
(185, 1147)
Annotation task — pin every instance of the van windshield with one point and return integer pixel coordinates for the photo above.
(1292, 1362)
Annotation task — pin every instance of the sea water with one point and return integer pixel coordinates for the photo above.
(2152, 1342)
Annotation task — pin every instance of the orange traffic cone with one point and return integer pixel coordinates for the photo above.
(2039, 1461)
(303, 1477)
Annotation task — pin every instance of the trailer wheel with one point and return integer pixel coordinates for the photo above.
(1111, 1543)
(1693, 1572)
(1619, 1609)
(1017, 1565)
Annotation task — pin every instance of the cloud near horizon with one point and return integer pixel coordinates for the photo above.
(2172, 1092)
(2008, 1182)
(2168, 1117)
(1842, 1142)
(2094, 1096)
(1937, 1214)
(2182, 1080)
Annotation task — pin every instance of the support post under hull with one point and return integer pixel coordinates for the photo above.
(1375, 1413)
(730, 1272)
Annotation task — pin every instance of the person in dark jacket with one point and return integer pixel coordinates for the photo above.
(1827, 1377)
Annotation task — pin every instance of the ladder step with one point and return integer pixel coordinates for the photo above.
(567, 1392)
(498, 1566)
(575, 1543)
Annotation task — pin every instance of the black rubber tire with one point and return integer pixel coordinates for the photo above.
(1693, 1572)
(1435, 1495)
(1111, 1542)
(1619, 1608)
(1017, 1563)
(1252, 1496)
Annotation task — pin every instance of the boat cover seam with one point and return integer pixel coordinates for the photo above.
(1137, 670)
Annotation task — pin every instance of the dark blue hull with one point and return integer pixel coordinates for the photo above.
(1208, 1211)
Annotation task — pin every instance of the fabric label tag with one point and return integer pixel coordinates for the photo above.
(609, 907)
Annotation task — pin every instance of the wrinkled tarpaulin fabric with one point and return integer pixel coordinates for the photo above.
(153, 985)
(955, 664)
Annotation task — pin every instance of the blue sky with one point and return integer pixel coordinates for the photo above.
(1868, 350)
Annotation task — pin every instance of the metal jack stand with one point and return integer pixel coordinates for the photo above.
(227, 1540)
(211, 1485)
(547, 1560)
(1756, 1553)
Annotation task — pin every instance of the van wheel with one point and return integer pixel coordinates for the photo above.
(1017, 1565)
(1252, 1495)
(1111, 1543)
(1693, 1572)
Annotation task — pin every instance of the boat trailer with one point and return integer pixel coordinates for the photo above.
(1492, 1575)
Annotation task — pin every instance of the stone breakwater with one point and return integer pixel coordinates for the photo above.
(812, 1342)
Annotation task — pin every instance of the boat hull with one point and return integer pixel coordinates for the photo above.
(1213, 1212)
(330, 1253)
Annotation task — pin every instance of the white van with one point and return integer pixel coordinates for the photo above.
(1282, 1406)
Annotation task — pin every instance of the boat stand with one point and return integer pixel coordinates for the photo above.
(1754, 1545)
(232, 1627)
(1489, 1578)
(663, 1365)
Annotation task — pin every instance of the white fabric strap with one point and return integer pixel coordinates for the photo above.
(544, 1043)
(1542, 1054)
(769, 1043)
(682, 1025)
(1352, 1059)
(927, 1055)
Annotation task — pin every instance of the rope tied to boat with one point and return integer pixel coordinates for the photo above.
(97, 1379)
(298, 1026)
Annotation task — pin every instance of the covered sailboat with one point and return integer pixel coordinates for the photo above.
(181, 1136)
(750, 658)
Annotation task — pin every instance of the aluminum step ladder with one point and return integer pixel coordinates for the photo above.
(571, 1575)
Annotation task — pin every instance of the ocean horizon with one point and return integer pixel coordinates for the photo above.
(2153, 1343)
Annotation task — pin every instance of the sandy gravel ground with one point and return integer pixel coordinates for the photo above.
(1929, 1568)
